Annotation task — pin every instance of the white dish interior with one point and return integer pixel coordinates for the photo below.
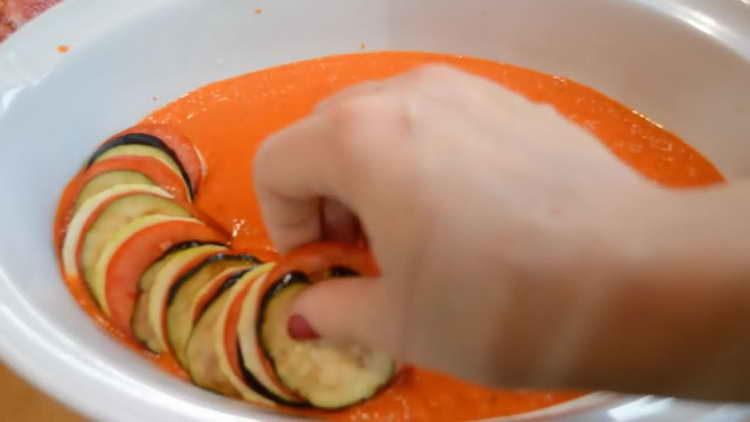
(684, 63)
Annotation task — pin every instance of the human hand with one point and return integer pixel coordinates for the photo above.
(492, 218)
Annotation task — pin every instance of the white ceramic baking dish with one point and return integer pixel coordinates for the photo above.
(684, 63)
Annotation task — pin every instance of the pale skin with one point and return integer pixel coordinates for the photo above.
(515, 250)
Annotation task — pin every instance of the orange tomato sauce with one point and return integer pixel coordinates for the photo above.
(228, 120)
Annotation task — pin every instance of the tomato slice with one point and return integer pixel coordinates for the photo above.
(140, 250)
(230, 333)
(186, 153)
(158, 172)
(320, 261)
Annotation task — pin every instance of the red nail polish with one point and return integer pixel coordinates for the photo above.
(300, 329)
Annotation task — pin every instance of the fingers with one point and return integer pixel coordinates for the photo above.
(293, 171)
(338, 223)
(360, 311)
(310, 177)
(321, 164)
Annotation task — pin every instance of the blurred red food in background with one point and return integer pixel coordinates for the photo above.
(14, 13)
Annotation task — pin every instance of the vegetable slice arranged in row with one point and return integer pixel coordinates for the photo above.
(155, 283)
(141, 145)
(146, 155)
(325, 374)
(101, 215)
(187, 155)
(127, 206)
(126, 228)
(130, 170)
(252, 357)
(212, 360)
(132, 250)
(191, 294)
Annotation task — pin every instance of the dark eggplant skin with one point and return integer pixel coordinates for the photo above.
(261, 389)
(182, 316)
(187, 245)
(288, 279)
(184, 245)
(279, 285)
(339, 272)
(228, 283)
(145, 140)
(250, 259)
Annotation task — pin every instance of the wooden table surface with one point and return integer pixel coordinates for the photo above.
(19, 401)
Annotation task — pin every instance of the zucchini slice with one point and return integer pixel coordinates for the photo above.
(328, 375)
(190, 294)
(110, 179)
(101, 215)
(124, 170)
(131, 250)
(109, 173)
(142, 151)
(140, 144)
(139, 320)
(211, 364)
(149, 313)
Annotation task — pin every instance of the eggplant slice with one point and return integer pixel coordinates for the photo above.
(328, 375)
(254, 363)
(190, 295)
(118, 214)
(101, 216)
(206, 353)
(141, 144)
(129, 253)
(150, 309)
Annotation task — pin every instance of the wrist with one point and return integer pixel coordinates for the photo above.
(696, 235)
(670, 316)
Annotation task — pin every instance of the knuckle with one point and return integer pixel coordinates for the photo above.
(262, 163)
(367, 132)
(360, 123)
(350, 120)
(353, 113)
(269, 160)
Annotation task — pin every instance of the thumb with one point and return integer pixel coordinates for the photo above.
(361, 310)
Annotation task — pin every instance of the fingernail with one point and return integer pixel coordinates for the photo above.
(300, 329)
